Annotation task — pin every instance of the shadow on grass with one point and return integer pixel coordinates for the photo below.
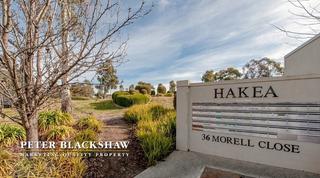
(104, 105)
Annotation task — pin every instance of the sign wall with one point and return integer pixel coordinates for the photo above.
(274, 121)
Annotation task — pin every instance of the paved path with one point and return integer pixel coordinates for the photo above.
(191, 165)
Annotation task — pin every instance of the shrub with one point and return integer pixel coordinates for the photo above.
(146, 87)
(156, 129)
(11, 134)
(133, 91)
(156, 147)
(82, 90)
(7, 161)
(86, 135)
(145, 127)
(49, 119)
(144, 91)
(129, 100)
(118, 93)
(55, 166)
(161, 89)
(153, 93)
(159, 94)
(136, 113)
(168, 124)
(168, 95)
(157, 111)
(59, 133)
(91, 123)
(155, 144)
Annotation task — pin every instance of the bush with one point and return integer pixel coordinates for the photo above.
(144, 91)
(11, 134)
(50, 119)
(145, 87)
(7, 161)
(161, 89)
(168, 94)
(157, 111)
(156, 139)
(118, 93)
(86, 135)
(82, 90)
(55, 166)
(133, 91)
(145, 112)
(126, 99)
(12, 165)
(156, 129)
(159, 94)
(168, 124)
(137, 113)
(91, 123)
(156, 146)
(145, 127)
(59, 133)
(153, 93)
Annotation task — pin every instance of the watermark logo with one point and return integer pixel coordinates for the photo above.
(74, 148)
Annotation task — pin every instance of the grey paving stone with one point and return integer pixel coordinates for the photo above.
(181, 164)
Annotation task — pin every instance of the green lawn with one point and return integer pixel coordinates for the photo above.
(104, 105)
(83, 108)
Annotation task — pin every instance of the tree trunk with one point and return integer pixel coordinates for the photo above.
(105, 92)
(32, 129)
(66, 98)
(65, 94)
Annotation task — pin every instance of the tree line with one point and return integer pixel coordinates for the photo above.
(148, 88)
(264, 67)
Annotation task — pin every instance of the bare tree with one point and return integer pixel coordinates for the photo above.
(66, 15)
(306, 15)
(31, 46)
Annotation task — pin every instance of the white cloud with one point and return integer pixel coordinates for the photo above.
(163, 3)
(186, 38)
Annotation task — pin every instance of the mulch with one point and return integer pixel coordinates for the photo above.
(118, 167)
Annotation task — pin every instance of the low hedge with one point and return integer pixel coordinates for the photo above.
(118, 93)
(126, 99)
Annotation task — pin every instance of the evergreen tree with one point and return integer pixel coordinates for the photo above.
(107, 77)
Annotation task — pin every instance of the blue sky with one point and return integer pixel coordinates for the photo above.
(181, 39)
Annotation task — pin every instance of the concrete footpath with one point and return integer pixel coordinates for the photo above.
(181, 164)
